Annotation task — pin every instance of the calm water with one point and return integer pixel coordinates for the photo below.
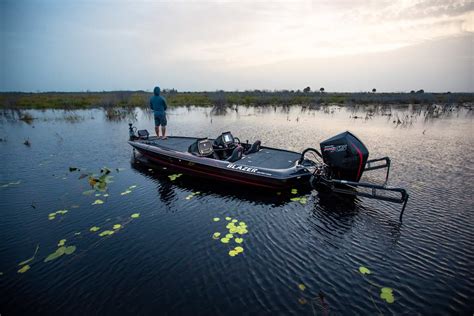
(166, 261)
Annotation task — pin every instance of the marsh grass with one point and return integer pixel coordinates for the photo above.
(133, 99)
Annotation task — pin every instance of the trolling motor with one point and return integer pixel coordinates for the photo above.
(345, 158)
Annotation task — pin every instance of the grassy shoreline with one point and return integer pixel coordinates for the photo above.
(85, 100)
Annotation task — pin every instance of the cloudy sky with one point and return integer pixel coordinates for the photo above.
(195, 45)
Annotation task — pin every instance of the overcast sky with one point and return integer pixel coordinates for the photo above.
(193, 45)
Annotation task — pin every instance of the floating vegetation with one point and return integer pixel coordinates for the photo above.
(132, 187)
(97, 202)
(364, 270)
(302, 200)
(301, 286)
(30, 259)
(135, 215)
(106, 195)
(61, 242)
(24, 269)
(106, 233)
(98, 194)
(62, 250)
(189, 197)
(77, 233)
(94, 229)
(175, 176)
(88, 192)
(234, 227)
(294, 191)
(52, 216)
(386, 293)
(117, 226)
(126, 192)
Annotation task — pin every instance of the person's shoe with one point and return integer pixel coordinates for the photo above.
(164, 137)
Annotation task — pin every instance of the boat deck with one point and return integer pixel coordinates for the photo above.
(270, 158)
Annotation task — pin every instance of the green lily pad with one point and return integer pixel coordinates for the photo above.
(233, 253)
(117, 226)
(106, 233)
(229, 236)
(61, 242)
(126, 192)
(77, 233)
(225, 240)
(294, 191)
(132, 187)
(364, 270)
(106, 195)
(58, 253)
(234, 221)
(135, 215)
(98, 194)
(295, 199)
(94, 229)
(61, 212)
(239, 240)
(239, 249)
(216, 219)
(216, 235)
(189, 197)
(69, 250)
(387, 295)
(24, 269)
(88, 192)
(301, 286)
(175, 176)
(228, 218)
(97, 202)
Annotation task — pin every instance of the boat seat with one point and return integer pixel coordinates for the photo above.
(254, 148)
(236, 154)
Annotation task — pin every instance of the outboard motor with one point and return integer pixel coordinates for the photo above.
(346, 156)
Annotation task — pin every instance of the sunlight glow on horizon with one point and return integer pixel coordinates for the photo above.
(198, 45)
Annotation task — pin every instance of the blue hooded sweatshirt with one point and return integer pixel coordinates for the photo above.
(157, 102)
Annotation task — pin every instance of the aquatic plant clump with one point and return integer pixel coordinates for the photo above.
(234, 227)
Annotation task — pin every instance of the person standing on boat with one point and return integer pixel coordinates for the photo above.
(158, 105)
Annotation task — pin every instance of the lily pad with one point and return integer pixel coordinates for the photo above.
(229, 236)
(216, 235)
(106, 195)
(225, 240)
(61, 212)
(135, 215)
(233, 253)
(228, 218)
(239, 240)
(106, 233)
(216, 219)
(364, 270)
(61, 242)
(58, 253)
(117, 226)
(301, 286)
(94, 229)
(175, 176)
(24, 269)
(234, 221)
(239, 249)
(294, 191)
(132, 187)
(386, 294)
(88, 192)
(69, 250)
(126, 192)
(97, 202)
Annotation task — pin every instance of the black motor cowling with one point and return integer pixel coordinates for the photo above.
(346, 156)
